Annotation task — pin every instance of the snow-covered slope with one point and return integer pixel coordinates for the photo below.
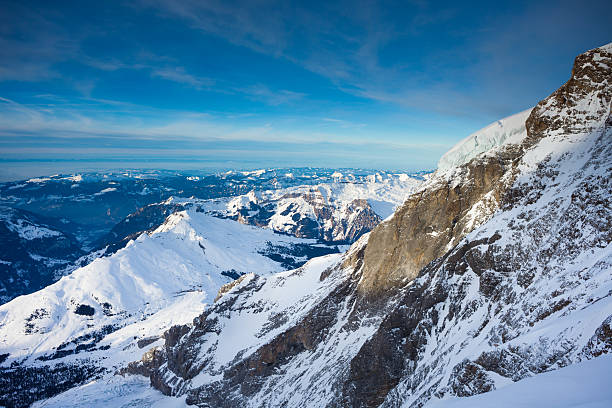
(585, 384)
(160, 279)
(504, 131)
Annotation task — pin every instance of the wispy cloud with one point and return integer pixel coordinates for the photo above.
(64, 121)
(472, 74)
(108, 64)
(256, 25)
(31, 44)
(344, 123)
(373, 50)
(261, 92)
(342, 41)
(178, 74)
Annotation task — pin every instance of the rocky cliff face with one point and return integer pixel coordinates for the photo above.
(433, 220)
(492, 272)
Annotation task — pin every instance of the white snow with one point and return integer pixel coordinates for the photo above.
(606, 48)
(504, 131)
(26, 229)
(77, 178)
(114, 391)
(585, 385)
(104, 191)
(179, 263)
(254, 172)
(38, 180)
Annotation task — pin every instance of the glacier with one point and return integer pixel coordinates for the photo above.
(497, 134)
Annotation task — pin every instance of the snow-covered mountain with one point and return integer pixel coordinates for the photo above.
(340, 211)
(125, 301)
(96, 202)
(492, 272)
(310, 203)
(495, 272)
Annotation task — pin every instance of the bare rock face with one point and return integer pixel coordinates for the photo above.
(601, 341)
(470, 379)
(229, 286)
(430, 222)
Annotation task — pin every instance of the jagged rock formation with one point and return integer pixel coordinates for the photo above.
(337, 212)
(492, 272)
(320, 220)
(433, 220)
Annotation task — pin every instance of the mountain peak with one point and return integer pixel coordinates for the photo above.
(606, 48)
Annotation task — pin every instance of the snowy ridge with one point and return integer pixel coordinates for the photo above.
(160, 279)
(504, 131)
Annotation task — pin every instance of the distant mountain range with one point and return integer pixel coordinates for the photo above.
(96, 214)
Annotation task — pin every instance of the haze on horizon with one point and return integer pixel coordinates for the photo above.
(206, 84)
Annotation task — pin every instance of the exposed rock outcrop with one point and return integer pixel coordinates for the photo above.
(432, 221)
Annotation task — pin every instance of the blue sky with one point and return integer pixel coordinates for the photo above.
(197, 84)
